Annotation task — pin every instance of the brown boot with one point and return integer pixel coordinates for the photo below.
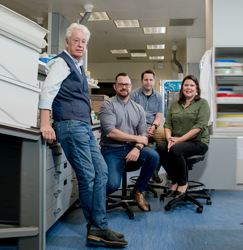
(139, 197)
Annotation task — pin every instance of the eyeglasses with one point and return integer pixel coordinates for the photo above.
(78, 41)
(126, 85)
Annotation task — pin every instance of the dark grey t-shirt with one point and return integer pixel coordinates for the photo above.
(128, 118)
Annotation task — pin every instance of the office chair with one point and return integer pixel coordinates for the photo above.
(151, 185)
(124, 200)
(193, 190)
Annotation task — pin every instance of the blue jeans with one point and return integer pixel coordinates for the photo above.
(80, 148)
(115, 159)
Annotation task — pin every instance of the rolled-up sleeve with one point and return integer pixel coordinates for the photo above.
(202, 116)
(160, 108)
(168, 121)
(142, 125)
(107, 116)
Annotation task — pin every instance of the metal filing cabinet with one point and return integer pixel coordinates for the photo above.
(61, 184)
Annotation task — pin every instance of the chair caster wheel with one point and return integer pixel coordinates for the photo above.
(209, 202)
(162, 197)
(199, 210)
(167, 207)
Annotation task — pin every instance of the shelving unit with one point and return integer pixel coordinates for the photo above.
(229, 109)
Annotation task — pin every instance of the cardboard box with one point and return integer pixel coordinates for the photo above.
(96, 101)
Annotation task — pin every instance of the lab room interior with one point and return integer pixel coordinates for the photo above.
(121, 124)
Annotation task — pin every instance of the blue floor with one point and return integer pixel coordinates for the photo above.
(219, 227)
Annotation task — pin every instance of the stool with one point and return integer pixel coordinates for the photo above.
(124, 200)
(150, 187)
(193, 189)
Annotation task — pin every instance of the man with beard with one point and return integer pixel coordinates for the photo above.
(124, 139)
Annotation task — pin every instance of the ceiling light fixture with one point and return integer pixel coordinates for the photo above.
(138, 54)
(156, 58)
(156, 46)
(97, 16)
(118, 51)
(154, 30)
(126, 23)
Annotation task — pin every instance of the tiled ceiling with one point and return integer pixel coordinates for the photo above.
(105, 35)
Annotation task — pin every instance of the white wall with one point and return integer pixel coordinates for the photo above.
(108, 71)
(227, 22)
(195, 49)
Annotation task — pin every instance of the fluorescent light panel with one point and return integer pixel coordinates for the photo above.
(153, 30)
(138, 54)
(156, 46)
(119, 51)
(156, 58)
(97, 16)
(126, 23)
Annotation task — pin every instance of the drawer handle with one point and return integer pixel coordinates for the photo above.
(73, 179)
(57, 154)
(57, 173)
(57, 192)
(73, 194)
(58, 211)
(54, 145)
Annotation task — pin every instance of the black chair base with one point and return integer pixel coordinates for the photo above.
(121, 201)
(150, 187)
(194, 190)
(192, 197)
(124, 200)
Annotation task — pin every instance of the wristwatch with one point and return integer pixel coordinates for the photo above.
(138, 147)
(156, 126)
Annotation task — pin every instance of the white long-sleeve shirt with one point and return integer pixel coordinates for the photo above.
(57, 71)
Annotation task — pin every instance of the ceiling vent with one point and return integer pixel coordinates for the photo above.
(137, 51)
(181, 22)
(123, 58)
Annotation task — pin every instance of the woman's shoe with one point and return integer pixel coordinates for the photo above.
(170, 193)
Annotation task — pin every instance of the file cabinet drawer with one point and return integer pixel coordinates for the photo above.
(57, 173)
(54, 155)
(59, 208)
(55, 193)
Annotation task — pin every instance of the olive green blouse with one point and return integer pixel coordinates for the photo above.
(181, 120)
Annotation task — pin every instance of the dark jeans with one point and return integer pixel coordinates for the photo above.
(115, 159)
(174, 161)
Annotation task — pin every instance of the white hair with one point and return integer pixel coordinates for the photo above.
(81, 27)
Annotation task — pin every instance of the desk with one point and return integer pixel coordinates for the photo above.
(29, 204)
(23, 151)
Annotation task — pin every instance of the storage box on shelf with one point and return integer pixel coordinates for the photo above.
(228, 65)
(18, 68)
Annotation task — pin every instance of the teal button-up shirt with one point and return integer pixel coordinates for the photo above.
(181, 120)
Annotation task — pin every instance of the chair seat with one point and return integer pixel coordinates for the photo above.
(194, 159)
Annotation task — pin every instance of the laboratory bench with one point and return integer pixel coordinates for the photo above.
(37, 185)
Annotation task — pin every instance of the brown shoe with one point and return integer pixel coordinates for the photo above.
(139, 197)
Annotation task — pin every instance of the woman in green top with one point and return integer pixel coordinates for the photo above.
(186, 133)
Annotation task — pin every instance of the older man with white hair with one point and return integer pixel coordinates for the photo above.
(65, 92)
